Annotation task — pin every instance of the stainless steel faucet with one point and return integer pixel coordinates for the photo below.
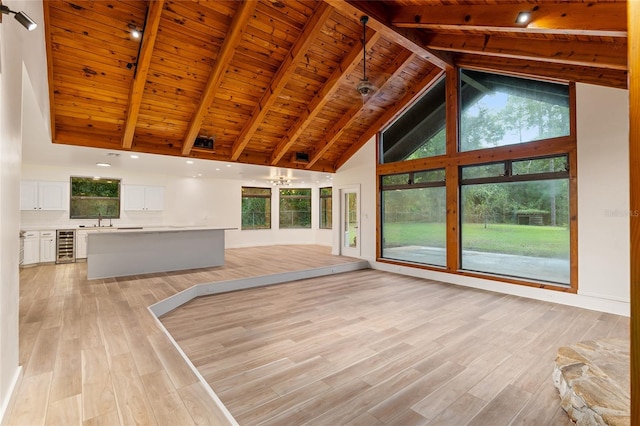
(99, 219)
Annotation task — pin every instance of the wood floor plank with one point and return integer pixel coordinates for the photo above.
(42, 359)
(130, 394)
(198, 403)
(502, 409)
(65, 412)
(98, 398)
(30, 407)
(460, 411)
(168, 407)
(67, 372)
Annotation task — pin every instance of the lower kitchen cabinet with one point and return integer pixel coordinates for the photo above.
(47, 246)
(81, 244)
(31, 248)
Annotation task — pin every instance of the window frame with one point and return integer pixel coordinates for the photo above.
(508, 177)
(268, 203)
(286, 197)
(454, 159)
(411, 184)
(73, 198)
(322, 201)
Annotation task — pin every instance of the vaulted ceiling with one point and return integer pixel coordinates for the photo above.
(273, 82)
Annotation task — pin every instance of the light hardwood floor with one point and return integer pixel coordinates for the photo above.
(373, 348)
(93, 354)
(358, 348)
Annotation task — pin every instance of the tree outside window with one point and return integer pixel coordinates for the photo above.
(295, 208)
(325, 208)
(256, 208)
(93, 198)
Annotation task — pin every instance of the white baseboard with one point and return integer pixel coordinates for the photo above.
(172, 302)
(581, 300)
(11, 394)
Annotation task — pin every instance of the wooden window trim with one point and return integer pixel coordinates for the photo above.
(454, 159)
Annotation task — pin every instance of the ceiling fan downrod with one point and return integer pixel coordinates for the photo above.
(364, 87)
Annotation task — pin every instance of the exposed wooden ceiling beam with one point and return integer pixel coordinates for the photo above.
(348, 64)
(280, 80)
(408, 38)
(231, 41)
(594, 54)
(594, 19)
(347, 119)
(142, 69)
(551, 70)
(391, 113)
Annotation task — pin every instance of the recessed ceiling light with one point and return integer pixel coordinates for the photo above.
(189, 161)
(228, 165)
(217, 170)
(103, 164)
(199, 174)
(134, 156)
(523, 18)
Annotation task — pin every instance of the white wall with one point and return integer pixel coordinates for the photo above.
(603, 209)
(603, 192)
(16, 44)
(358, 171)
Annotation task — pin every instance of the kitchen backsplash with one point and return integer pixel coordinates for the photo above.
(60, 220)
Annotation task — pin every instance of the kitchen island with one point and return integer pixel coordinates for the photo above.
(133, 251)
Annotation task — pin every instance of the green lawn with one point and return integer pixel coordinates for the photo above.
(539, 241)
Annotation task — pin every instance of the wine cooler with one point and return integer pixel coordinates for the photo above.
(65, 245)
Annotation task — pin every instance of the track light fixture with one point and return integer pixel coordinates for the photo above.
(21, 17)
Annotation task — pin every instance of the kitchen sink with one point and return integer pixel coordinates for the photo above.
(129, 227)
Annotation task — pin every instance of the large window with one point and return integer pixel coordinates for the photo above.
(420, 131)
(256, 208)
(325, 208)
(93, 198)
(414, 217)
(515, 219)
(496, 199)
(295, 208)
(501, 110)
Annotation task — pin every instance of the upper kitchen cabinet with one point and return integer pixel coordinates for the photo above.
(36, 195)
(143, 198)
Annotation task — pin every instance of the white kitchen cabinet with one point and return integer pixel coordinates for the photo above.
(36, 195)
(47, 246)
(143, 198)
(81, 244)
(31, 248)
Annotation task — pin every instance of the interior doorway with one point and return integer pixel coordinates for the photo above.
(350, 221)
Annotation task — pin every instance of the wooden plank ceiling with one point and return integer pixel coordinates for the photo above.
(272, 82)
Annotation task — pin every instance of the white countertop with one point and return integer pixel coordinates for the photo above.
(149, 229)
(124, 228)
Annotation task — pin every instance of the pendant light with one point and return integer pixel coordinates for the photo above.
(364, 87)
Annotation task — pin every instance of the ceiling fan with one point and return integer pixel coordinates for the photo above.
(364, 86)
